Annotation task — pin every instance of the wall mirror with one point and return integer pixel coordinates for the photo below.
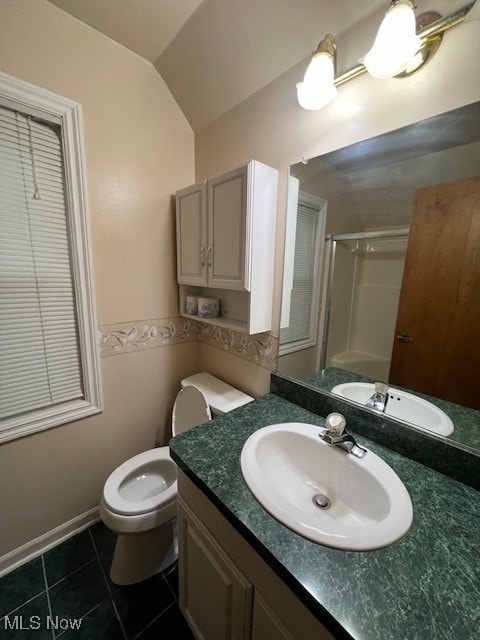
(382, 273)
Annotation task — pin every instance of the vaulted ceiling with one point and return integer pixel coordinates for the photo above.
(213, 54)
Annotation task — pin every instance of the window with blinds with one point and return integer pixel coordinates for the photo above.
(49, 370)
(302, 322)
(39, 354)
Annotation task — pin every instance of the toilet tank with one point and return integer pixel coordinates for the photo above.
(220, 396)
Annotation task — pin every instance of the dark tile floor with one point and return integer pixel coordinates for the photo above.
(69, 586)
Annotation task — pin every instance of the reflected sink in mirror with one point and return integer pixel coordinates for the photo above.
(401, 405)
(322, 492)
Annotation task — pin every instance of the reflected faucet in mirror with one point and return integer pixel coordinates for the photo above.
(378, 401)
(397, 403)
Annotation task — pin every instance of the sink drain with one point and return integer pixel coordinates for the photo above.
(321, 501)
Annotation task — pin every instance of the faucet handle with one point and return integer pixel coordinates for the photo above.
(382, 388)
(335, 423)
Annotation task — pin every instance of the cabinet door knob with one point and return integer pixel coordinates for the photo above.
(402, 337)
(209, 256)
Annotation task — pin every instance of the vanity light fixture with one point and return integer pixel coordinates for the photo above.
(396, 42)
(317, 88)
(402, 46)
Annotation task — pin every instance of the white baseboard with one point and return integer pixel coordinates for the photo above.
(47, 541)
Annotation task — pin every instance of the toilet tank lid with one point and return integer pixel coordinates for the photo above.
(221, 397)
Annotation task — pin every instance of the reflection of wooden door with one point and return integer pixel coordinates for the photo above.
(439, 304)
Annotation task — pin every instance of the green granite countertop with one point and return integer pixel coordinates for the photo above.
(426, 586)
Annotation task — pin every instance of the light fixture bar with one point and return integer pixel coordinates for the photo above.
(439, 26)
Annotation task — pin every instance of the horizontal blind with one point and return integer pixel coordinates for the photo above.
(39, 349)
(300, 322)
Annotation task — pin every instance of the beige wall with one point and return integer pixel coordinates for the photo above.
(298, 364)
(139, 150)
(272, 128)
(242, 374)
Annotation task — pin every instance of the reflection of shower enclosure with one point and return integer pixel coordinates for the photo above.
(366, 273)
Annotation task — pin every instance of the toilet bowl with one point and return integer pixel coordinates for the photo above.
(139, 497)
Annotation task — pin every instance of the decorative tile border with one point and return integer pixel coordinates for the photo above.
(261, 349)
(124, 337)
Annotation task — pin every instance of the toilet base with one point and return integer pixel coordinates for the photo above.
(141, 555)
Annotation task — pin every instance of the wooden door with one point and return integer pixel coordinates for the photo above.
(227, 219)
(191, 215)
(439, 308)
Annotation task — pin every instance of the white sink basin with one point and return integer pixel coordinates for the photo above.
(287, 465)
(401, 405)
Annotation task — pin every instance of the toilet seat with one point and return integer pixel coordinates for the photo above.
(190, 408)
(142, 484)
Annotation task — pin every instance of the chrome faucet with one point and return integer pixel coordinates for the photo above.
(336, 435)
(379, 400)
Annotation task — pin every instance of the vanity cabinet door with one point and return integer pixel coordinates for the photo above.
(227, 222)
(191, 215)
(215, 597)
(266, 624)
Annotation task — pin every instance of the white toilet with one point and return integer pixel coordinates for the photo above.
(139, 497)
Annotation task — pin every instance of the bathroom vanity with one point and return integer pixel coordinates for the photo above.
(245, 575)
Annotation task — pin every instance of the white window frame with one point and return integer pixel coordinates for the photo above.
(30, 99)
(320, 205)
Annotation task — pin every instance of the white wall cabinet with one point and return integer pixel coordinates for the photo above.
(191, 214)
(227, 592)
(228, 240)
(226, 244)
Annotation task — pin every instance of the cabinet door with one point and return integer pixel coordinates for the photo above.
(227, 217)
(215, 597)
(266, 624)
(191, 214)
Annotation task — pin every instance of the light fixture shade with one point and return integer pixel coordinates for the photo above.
(396, 42)
(317, 88)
